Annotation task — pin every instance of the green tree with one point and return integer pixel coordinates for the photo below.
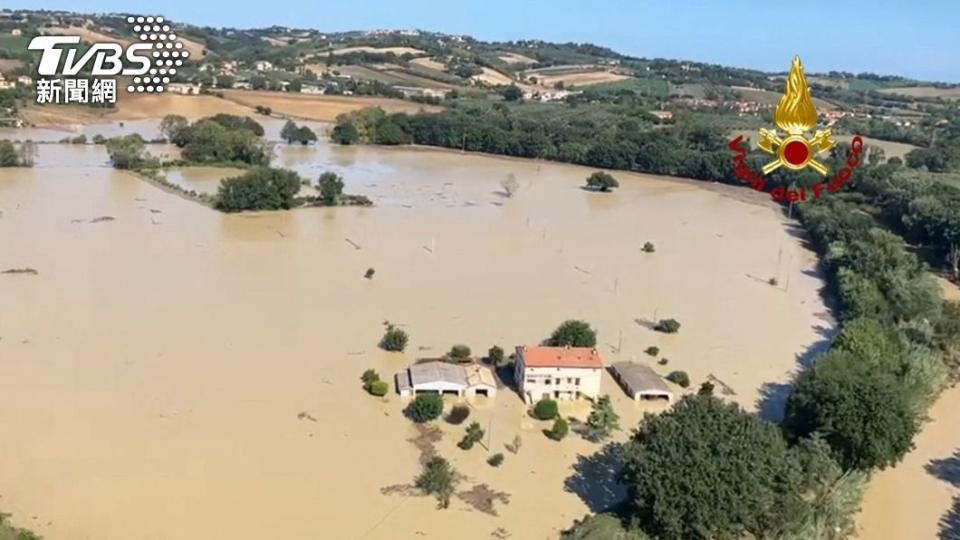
(473, 435)
(8, 154)
(394, 339)
(512, 93)
(260, 188)
(344, 132)
(688, 478)
(573, 333)
(603, 420)
(667, 326)
(425, 407)
(127, 152)
(861, 411)
(679, 377)
(602, 181)
(545, 409)
(439, 479)
(330, 186)
(495, 355)
(559, 430)
(459, 353)
(379, 388)
(172, 126)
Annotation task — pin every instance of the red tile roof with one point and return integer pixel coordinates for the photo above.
(561, 357)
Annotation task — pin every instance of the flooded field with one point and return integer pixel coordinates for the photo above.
(156, 367)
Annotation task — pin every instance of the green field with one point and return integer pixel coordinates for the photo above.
(647, 86)
(14, 44)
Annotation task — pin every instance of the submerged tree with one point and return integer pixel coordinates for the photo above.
(440, 479)
(602, 181)
(603, 420)
(573, 333)
(330, 186)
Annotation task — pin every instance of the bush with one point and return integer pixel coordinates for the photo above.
(369, 376)
(458, 414)
(573, 334)
(425, 407)
(210, 140)
(706, 389)
(459, 352)
(652, 350)
(559, 430)
(292, 133)
(438, 478)
(679, 377)
(369, 273)
(260, 188)
(648, 247)
(495, 355)
(330, 186)
(394, 339)
(128, 152)
(8, 154)
(495, 460)
(545, 409)
(473, 435)
(602, 181)
(668, 326)
(345, 133)
(663, 361)
(379, 388)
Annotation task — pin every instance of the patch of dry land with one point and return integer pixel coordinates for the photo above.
(399, 51)
(492, 77)
(925, 92)
(131, 107)
(514, 58)
(429, 63)
(574, 75)
(174, 368)
(320, 107)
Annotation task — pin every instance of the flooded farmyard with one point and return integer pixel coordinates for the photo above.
(199, 372)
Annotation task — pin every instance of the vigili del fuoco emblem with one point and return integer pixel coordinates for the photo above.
(796, 116)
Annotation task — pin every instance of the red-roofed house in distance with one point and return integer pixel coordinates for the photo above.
(557, 372)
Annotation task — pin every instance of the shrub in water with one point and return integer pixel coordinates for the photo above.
(425, 407)
(668, 326)
(495, 355)
(495, 460)
(394, 339)
(545, 409)
(379, 388)
(459, 352)
(652, 350)
(560, 429)
(458, 414)
(679, 377)
(648, 247)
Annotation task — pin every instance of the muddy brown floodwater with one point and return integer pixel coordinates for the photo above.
(155, 370)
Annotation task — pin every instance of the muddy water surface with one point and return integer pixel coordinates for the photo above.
(155, 369)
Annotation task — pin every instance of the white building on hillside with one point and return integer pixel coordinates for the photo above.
(558, 372)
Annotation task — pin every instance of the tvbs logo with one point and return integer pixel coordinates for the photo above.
(108, 58)
(150, 62)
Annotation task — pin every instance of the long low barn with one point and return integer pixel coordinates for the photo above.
(446, 378)
(640, 382)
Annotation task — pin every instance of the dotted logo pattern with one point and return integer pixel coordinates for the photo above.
(168, 53)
